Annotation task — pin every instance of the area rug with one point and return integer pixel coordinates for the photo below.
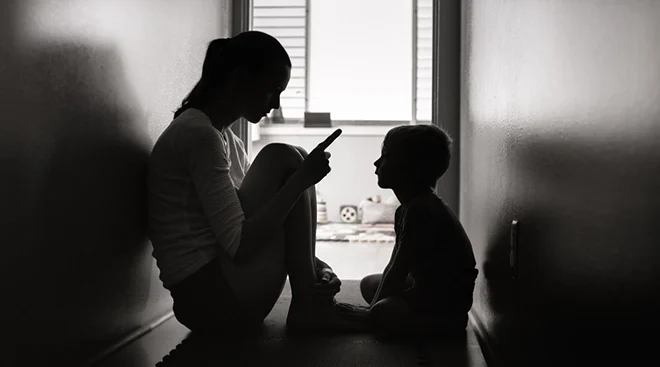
(362, 233)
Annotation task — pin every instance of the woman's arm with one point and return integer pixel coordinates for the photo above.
(203, 149)
(272, 215)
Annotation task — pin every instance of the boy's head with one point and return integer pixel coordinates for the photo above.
(413, 156)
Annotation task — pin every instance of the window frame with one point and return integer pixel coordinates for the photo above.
(306, 69)
(446, 82)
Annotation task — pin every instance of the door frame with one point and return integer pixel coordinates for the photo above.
(446, 89)
(240, 20)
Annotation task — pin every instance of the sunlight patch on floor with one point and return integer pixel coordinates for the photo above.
(353, 261)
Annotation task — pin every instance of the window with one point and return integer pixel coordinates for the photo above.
(422, 70)
(365, 63)
(286, 20)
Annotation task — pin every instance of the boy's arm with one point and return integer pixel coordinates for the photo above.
(395, 274)
(417, 229)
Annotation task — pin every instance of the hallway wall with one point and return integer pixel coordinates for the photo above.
(87, 86)
(560, 130)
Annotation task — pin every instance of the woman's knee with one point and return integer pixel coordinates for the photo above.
(282, 154)
(302, 151)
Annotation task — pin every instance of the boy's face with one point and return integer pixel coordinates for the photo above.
(390, 167)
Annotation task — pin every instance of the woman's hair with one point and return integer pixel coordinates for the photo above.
(258, 51)
(425, 148)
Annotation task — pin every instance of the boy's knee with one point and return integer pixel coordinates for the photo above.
(369, 285)
(388, 310)
(389, 316)
(370, 282)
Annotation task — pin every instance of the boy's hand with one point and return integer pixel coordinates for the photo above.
(328, 283)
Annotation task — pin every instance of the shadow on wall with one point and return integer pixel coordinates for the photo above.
(588, 255)
(593, 227)
(76, 266)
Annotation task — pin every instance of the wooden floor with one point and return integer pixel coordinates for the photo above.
(275, 348)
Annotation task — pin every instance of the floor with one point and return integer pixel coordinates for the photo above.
(171, 345)
(351, 261)
(354, 260)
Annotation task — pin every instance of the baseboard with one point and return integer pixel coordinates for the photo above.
(482, 336)
(131, 337)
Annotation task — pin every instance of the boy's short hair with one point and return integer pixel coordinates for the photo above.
(427, 148)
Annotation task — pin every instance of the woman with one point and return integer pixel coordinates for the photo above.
(226, 233)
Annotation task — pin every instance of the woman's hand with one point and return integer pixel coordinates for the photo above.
(328, 284)
(317, 164)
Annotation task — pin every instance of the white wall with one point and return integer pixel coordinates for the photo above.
(360, 59)
(88, 85)
(559, 130)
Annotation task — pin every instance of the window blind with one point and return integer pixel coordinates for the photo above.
(286, 20)
(424, 59)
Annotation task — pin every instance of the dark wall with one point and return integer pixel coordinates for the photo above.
(87, 86)
(561, 131)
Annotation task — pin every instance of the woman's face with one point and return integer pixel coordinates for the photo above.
(263, 94)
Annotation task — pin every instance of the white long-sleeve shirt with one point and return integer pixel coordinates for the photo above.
(194, 211)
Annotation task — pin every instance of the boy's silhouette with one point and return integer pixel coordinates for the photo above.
(428, 284)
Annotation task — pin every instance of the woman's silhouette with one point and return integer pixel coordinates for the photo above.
(226, 233)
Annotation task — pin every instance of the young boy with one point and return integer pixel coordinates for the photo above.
(428, 284)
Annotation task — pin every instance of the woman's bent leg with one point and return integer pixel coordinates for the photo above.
(312, 205)
(259, 283)
(205, 302)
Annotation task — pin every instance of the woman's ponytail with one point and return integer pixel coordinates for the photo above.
(256, 50)
(216, 55)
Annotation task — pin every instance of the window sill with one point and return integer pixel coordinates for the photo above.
(347, 130)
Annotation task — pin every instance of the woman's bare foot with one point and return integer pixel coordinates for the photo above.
(321, 316)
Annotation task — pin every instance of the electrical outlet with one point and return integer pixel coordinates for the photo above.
(513, 249)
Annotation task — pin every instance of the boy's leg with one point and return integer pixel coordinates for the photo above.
(369, 286)
(392, 315)
(397, 316)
